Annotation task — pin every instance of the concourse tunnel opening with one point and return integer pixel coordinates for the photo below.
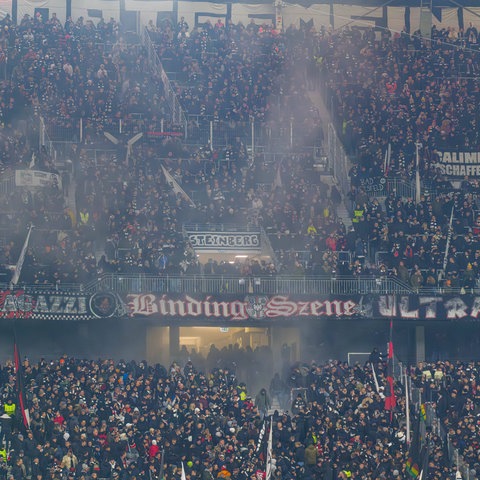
(253, 353)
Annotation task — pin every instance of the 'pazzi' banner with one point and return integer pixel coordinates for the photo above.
(43, 305)
(459, 164)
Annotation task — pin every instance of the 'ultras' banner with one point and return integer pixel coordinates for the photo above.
(278, 307)
(458, 164)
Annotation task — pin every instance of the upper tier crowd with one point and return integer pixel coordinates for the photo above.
(117, 420)
(119, 201)
(401, 90)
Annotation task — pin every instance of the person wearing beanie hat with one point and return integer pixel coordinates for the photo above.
(153, 449)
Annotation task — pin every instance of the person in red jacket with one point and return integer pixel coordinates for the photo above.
(154, 449)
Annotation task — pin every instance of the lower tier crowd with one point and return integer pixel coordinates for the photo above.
(127, 420)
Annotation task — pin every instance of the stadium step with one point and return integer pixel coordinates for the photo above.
(344, 214)
(342, 210)
(275, 406)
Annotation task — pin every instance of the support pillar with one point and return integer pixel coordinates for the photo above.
(420, 344)
(158, 345)
(68, 7)
(15, 11)
(174, 343)
(285, 346)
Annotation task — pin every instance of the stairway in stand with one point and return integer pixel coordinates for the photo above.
(342, 210)
(275, 406)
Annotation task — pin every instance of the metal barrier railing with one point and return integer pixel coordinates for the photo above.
(338, 159)
(178, 115)
(247, 285)
(223, 227)
(457, 459)
(403, 188)
(259, 285)
(45, 141)
(7, 182)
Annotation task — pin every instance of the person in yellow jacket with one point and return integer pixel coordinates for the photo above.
(3, 452)
(10, 407)
(242, 391)
(357, 213)
(84, 217)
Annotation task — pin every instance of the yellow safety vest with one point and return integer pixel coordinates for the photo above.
(84, 217)
(356, 215)
(10, 409)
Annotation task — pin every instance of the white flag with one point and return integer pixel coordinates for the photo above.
(277, 181)
(32, 161)
(269, 451)
(184, 477)
(177, 188)
(377, 388)
(21, 258)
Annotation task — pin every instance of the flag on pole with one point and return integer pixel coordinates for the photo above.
(177, 188)
(423, 412)
(407, 407)
(269, 451)
(424, 455)
(277, 181)
(414, 461)
(21, 258)
(390, 400)
(32, 161)
(260, 438)
(19, 385)
(418, 187)
(375, 379)
(250, 464)
(184, 477)
(418, 192)
(162, 466)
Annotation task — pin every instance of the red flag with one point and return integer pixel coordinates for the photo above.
(19, 384)
(390, 400)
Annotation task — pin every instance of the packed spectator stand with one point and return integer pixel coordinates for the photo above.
(391, 237)
(402, 91)
(123, 200)
(106, 419)
(112, 199)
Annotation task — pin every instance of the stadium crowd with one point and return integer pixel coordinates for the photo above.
(118, 195)
(402, 90)
(112, 198)
(101, 419)
(106, 419)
